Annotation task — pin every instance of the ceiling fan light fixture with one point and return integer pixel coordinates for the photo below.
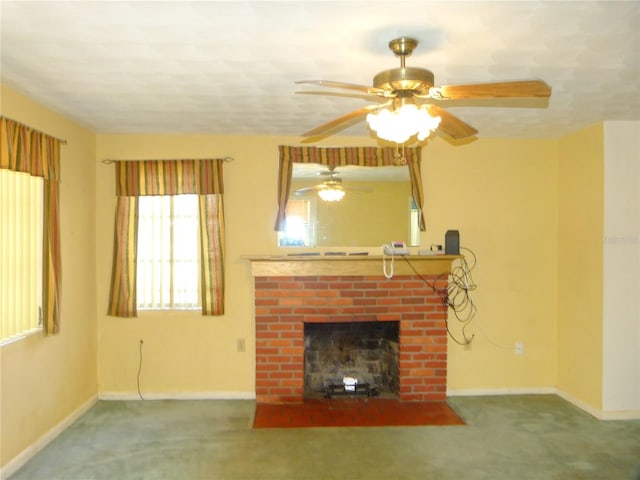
(403, 86)
(331, 194)
(403, 123)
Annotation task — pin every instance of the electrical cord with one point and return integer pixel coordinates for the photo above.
(139, 372)
(457, 295)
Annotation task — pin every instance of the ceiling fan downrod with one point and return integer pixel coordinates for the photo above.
(403, 47)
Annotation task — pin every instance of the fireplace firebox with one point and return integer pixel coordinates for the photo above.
(340, 357)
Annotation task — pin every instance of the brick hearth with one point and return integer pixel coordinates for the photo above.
(284, 303)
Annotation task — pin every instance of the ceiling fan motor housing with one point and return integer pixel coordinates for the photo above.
(412, 79)
(404, 79)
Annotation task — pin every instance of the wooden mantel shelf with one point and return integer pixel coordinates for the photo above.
(348, 265)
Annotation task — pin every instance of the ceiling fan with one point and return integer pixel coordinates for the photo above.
(409, 102)
(331, 189)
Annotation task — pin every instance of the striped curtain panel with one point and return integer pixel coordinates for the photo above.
(23, 149)
(123, 300)
(168, 177)
(212, 254)
(342, 156)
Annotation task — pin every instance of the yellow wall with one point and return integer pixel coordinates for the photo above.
(44, 379)
(501, 195)
(580, 267)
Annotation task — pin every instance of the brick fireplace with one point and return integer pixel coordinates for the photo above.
(292, 292)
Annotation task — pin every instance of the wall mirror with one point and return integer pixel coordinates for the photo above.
(380, 203)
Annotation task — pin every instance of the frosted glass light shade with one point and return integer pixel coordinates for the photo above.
(331, 194)
(403, 123)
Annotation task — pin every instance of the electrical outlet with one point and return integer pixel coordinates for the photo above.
(519, 350)
(241, 345)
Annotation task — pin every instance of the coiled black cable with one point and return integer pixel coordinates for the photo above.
(457, 295)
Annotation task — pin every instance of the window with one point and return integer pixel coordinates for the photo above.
(299, 228)
(21, 217)
(182, 239)
(167, 262)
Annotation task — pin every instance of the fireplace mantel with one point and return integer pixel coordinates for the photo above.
(348, 265)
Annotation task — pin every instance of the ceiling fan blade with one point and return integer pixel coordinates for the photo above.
(315, 188)
(519, 89)
(361, 112)
(305, 190)
(451, 125)
(345, 86)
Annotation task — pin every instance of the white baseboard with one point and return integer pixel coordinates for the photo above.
(600, 414)
(621, 415)
(178, 396)
(474, 392)
(25, 455)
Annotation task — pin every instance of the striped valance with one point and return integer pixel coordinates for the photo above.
(341, 156)
(24, 149)
(169, 177)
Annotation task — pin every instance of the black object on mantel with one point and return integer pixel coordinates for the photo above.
(452, 242)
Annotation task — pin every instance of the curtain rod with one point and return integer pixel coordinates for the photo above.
(61, 140)
(109, 161)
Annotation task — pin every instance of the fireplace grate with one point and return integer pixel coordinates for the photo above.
(360, 389)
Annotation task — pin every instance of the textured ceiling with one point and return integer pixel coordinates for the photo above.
(230, 67)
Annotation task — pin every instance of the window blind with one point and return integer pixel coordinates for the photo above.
(21, 205)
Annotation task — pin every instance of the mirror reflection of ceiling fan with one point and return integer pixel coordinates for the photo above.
(331, 189)
(409, 104)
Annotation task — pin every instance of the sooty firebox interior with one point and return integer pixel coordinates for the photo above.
(335, 353)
